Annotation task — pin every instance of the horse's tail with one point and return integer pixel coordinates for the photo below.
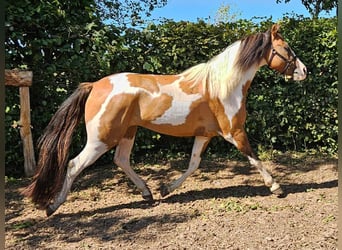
(53, 148)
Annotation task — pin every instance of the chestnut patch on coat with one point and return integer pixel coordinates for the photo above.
(116, 119)
(190, 89)
(218, 109)
(127, 110)
(147, 82)
(238, 121)
(97, 97)
(150, 108)
(150, 83)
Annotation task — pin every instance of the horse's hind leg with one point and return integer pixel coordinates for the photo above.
(197, 149)
(121, 158)
(91, 152)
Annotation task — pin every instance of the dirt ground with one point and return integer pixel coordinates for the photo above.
(224, 205)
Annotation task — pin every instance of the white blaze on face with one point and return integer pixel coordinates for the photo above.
(299, 73)
(180, 106)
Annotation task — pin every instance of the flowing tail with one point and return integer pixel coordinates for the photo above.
(54, 147)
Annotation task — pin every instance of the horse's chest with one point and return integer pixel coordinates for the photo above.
(230, 113)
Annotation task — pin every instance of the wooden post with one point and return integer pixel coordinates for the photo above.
(23, 79)
(18, 78)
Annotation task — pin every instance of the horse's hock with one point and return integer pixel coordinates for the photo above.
(23, 80)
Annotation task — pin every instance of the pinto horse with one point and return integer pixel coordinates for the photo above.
(204, 101)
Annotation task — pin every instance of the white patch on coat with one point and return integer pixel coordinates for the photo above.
(180, 106)
(121, 85)
(232, 103)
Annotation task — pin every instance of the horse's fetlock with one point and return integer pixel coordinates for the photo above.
(269, 182)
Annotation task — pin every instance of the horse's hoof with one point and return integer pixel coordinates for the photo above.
(148, 197)
(277, 190)
(49, 211)
(164, 190)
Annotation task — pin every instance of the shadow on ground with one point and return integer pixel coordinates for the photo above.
(284, 166)
(112, 222)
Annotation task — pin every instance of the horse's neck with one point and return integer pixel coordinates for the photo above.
(234, 103)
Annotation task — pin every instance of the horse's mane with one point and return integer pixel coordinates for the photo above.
(220, 75)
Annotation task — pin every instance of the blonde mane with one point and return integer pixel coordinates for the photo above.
(219, 76)
(223, 73)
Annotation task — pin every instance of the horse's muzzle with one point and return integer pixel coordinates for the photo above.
(300, 72)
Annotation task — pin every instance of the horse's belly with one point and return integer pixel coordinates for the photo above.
(196, 121)
(175, 115)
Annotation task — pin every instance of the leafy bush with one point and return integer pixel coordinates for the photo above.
(63, 46)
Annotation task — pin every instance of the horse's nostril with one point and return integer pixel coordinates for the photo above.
(305, 70)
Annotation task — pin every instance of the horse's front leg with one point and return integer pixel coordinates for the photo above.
(199, 146)
(240, 140)
(121, 158)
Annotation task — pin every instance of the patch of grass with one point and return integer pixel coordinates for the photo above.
(329, 218)
(233, 206)
(294, 157)
(85, 245)
(237, 206)
(22, 225)
(322, 197)
(267, 155)
(255, 206)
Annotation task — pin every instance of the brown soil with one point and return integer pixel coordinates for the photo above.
(224, 205)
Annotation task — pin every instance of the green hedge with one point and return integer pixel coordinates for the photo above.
(281, 115)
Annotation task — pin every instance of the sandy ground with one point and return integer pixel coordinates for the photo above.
(224, 205)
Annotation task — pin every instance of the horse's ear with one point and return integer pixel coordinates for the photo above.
(275, 29)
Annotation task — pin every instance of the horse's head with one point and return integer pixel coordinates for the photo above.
(282, 58)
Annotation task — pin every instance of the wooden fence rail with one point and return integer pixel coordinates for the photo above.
(23, 80)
